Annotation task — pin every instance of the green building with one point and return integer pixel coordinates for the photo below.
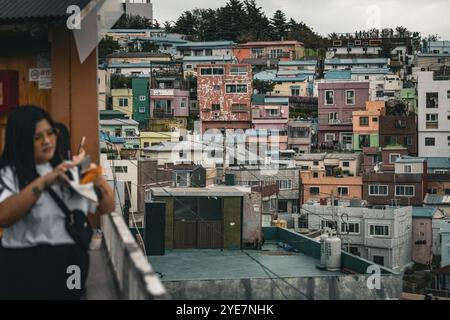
(365, 140)
(409, 97)
(141, 101)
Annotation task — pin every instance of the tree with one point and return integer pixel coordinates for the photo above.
(167, 26)
(107, 46)
(149, 46)
(206, 29)
(128, 21)
(263, 86)
(257, 25)
(279, 25)
(186, 24)
(230, 20)
(120, 81)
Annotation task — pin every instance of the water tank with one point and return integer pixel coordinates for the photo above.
(323, 237)
(333, 254)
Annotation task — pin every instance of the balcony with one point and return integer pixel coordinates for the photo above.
(163, 114)
(432, 125)
(119, 270)
(162, 92)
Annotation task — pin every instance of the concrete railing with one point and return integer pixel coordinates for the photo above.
(135, 277)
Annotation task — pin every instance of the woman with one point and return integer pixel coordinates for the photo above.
(36, 249)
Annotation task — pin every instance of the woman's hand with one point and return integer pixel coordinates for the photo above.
(58, 175)
(79, 157)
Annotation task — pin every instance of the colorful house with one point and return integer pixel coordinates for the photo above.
(122, 100)
(141, 101)
(282, 50)
(366, 125)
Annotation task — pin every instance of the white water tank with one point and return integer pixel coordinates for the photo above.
(333, 253)
(323, 237)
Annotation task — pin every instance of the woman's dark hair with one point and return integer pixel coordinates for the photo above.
(63, 141)
(19, 143)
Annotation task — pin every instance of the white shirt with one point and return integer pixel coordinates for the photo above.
(45, 223)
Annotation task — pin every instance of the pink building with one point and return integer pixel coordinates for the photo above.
(224, 94)
(337, 101)
(167, 103)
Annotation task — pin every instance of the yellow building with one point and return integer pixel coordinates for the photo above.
(174, 124)
(122, 100)
(151, 138)
(291, 86)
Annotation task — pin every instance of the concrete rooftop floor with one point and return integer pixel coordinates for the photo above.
(213, 264)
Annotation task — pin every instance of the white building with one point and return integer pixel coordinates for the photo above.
(125, 171)
(445, 244)
(433, 116)
(143, 8)
(382, 236)
(104, 88)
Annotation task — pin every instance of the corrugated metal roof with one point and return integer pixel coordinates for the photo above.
(435, 199)
(298, 63)
(358, 61)
(207, 44)
(338, 75)
(265, 75)
(290, 79)
(423, 212)
(27, 9)
(207, 58)
(438, 163)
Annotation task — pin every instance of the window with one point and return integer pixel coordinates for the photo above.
(346, 164)
(400, 123)
(393, 157)
(285, 184)
(163, 106)
(378, 190)
(189, 66)
(215, 107)
(407, 168)
(183, 104)
(329, 137)
(146, 144)
(238, 71)
(404, 191)
(379, 230)
(142, 98)
(314, 190)
(123, 102)
(211, 71)
(329, 97)
(315, 163)
(118, 132)
(430, 142)
(432, 117)
(378, 260)
(342, 191)
(448, 139)
(238, 107)
(120, 169)
(448, 94)
(315, 174)
(208, 52)
(142, 109)
(364, 141)
(236, 88)
(253, 183)
(350, 97)
(274, 112)
(407, 140)
(326, 224)
(295, 91)
(432, 99)
(350, 227)
(447, 192)
(332, 117)
(374, 119)
(380, 94)
(363, 121)
(182, 154)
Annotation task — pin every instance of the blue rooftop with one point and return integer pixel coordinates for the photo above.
(357, 61)
(338, 75)
(276, 100)
(281, 73)
(423, 212)
(438, 163)
(112, 139)
(370, 70)
(291, 79)
(298, 63)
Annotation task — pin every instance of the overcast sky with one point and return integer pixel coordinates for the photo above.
(326, 16)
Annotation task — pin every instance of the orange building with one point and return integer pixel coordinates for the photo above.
(317, 185)
(366, 125)
(283, 50)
